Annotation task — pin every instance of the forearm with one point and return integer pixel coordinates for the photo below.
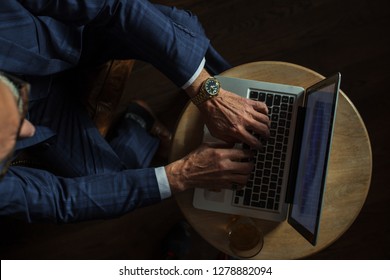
(194, 88)
(172, 40)
(37, 195)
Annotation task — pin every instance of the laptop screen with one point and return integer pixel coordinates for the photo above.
(320, 105)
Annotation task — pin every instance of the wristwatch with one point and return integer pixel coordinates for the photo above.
(209, 89)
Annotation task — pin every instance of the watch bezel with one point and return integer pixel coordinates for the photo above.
(206, 92)
(210, 91)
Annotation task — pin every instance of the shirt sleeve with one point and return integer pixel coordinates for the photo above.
(196, 74)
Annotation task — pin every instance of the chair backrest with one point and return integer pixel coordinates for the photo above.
(105, 88)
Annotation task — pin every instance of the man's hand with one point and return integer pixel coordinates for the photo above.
(232, 118)
(210, 166)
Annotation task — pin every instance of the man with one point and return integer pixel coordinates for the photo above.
(87, 177)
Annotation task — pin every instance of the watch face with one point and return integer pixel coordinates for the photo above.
(212, 86)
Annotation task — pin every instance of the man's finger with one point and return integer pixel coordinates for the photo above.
(242, 168)
(219, 145)
(262, 118)
(248, 138)
(238, 154)
(259, 128)
(259, 106)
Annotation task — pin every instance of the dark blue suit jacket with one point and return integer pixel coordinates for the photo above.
(43, 40)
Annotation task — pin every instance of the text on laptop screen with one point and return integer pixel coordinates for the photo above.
(313, 157)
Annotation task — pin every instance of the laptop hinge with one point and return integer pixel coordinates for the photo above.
(295, 154)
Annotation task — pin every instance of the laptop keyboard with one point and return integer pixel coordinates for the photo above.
(263, 189)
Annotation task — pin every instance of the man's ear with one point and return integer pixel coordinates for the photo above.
(27, 129)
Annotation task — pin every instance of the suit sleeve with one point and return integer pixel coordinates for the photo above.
(170, 39)
(36, 195)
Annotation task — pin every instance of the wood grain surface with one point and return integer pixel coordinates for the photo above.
(348, 179)
(327, 36)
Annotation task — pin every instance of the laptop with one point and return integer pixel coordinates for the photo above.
(289, 178)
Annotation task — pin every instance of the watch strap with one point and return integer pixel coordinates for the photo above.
(203, 95)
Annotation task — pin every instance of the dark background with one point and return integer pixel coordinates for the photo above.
(351, 37)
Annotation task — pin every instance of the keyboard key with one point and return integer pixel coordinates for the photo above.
(254, 95)
(255, 197)
(264, 188)
(277, 99)
(247, 196)
(270, 203)
(262, 96)
(269, 101)
(270, 149)
(240, 193)
(255, 204)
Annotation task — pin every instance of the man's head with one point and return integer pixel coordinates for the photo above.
(13, 105)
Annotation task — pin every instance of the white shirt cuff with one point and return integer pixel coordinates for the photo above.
(163, 184)
(10, 86)
(196, 74)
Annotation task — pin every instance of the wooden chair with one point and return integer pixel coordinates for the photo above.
(105, 90)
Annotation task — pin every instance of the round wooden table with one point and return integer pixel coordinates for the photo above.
(348, 182)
